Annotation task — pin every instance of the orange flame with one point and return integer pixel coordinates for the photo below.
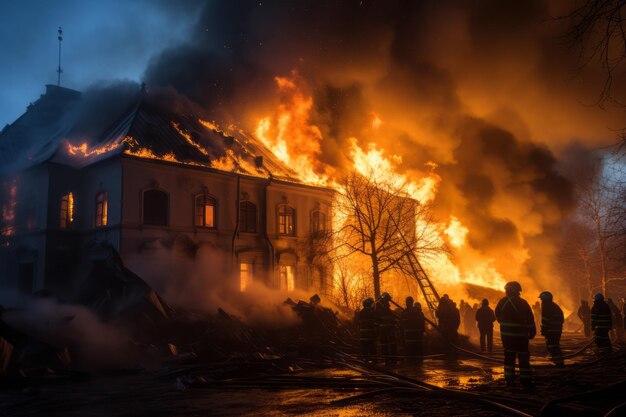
(290, 135)
(84, 150)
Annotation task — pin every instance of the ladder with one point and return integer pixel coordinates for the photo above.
(414, 269)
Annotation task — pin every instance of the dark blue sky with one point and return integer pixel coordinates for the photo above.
(103, 40)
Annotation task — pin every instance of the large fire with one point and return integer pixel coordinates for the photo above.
(290, 134)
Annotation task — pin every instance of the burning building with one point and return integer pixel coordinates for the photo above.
(144, 175)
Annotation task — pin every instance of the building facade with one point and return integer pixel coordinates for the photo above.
(149, 178)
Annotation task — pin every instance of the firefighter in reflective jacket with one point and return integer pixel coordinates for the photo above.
(517, 327)
(386, 323)
(601, 323)
(366, 320)
(412, 323)
(552, 326)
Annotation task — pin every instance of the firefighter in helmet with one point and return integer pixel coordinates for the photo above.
(386, 323)
(366, 321)
(485, 318)
(552, 320)
(517, 327)
(601, 324)
(413, 324)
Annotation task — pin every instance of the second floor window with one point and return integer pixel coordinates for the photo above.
(205, 211)
(102, 209)
(286, 220)
(155, 207)
(247, 217)
(318, 222)
(67, 211)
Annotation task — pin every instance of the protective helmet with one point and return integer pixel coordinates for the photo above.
(485, 302)
(315, 299)
(409, 300)
(418, 306)
(385, 296)
(598, 297)
(513, 286)
(368, 302)
(546, 296)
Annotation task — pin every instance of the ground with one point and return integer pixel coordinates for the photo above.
(292, 387)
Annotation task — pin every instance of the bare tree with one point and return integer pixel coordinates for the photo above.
(598, 32)
(601, 204)
(378, 219)
(351, 283)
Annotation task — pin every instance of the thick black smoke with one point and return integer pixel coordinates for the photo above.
(485, 89)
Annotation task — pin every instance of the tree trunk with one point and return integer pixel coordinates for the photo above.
(376, 276)
(585, 258)
(602, 250)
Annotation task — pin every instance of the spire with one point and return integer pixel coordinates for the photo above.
(59, 70)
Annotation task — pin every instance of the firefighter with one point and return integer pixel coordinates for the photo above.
(413, 324)
(601, 324)
(517, 327)
(449, 319)
(584, 314)
(485, 318)
(386, 323)
(552, 320)
(366, 320)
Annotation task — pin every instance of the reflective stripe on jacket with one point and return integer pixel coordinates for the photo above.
(516, 318)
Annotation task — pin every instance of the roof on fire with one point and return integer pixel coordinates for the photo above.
(56, 128)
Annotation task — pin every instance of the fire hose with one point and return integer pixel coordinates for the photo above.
(417, 384)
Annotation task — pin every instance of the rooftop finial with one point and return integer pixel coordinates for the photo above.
(59, 70)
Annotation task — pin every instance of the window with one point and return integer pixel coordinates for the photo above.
(287, 278)
(318, 222)
(67, 211)
(247, 217)
(155, 207)
(245, 276)
(205, 211)
(102, 209)
(286, 220)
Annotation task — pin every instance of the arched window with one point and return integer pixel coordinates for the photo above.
(67, 211)
(247, 217)
(286, 220)
(155, 207)
(206, 211)
(102, 209)
(287, 277)
(318, 222)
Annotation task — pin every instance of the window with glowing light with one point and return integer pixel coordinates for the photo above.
(286, 220)
(102, 209)
(206, 213)
(245, 276)
(155, 207)
(247, 217)
(318, 222)
(67, 211)
(287, 278)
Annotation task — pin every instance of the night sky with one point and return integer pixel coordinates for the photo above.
(103, 40)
